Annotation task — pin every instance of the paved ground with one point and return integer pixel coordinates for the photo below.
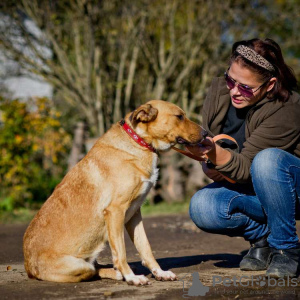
(177, 244)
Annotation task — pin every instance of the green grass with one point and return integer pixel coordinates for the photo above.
(164, 208)
(21, 216)
(18, 216)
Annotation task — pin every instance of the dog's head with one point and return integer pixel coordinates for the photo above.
(163, 124)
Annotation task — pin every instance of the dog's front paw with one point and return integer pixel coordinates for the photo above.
(164, 275)
(137, 280)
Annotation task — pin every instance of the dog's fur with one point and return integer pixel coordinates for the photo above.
(99, 195)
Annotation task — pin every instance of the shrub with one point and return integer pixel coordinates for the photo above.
(33, 146)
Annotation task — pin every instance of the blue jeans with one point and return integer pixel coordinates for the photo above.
(271, 208)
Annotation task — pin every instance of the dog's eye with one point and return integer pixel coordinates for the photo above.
(180, 117)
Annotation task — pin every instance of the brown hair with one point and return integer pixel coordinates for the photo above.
(270, 50)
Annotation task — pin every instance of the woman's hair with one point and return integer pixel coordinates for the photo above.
(270, 50)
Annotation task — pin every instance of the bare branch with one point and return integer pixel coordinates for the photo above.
(131, 74)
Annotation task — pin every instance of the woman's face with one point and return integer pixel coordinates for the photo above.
(244, 76)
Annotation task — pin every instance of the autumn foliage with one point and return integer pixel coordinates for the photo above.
(32, 151)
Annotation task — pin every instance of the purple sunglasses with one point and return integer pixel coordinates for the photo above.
(245, 90)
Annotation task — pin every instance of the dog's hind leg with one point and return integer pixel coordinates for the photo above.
(66, 269)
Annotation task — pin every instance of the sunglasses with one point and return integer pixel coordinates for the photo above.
(245, 90)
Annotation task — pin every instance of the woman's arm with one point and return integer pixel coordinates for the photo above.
(280, 130)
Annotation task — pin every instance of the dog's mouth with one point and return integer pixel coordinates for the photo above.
(183, 141)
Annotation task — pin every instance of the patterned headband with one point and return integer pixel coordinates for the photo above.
(254, 57)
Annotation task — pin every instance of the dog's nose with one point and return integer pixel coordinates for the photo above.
(204, 133)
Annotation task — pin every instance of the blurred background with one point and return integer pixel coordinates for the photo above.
(70, 69)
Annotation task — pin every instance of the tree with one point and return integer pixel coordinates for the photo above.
(107, 57)
(88, 48)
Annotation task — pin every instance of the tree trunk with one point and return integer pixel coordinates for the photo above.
(172, 179)
(77, 151)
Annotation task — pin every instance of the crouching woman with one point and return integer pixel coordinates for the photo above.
(256, 103)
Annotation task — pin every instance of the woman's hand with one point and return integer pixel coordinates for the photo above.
(217, 155)
(208, 148)
(211, 173)
(200, 150)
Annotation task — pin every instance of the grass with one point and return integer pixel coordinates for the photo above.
(164, 208)
(22, 216)
(18, 216)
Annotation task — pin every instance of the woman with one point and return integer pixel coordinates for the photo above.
(255, 104)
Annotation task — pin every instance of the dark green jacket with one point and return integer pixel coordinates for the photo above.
(269, 124)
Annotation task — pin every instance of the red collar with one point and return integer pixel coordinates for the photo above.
(135, 136)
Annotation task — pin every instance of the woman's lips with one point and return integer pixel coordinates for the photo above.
(236, 101)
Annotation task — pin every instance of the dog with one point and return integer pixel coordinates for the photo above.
(102, 193)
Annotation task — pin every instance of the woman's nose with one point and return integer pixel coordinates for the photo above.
(235, 90)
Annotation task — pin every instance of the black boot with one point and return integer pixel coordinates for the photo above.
(258, 256)
(284, 263)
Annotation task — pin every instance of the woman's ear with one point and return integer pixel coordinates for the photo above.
(271, 84)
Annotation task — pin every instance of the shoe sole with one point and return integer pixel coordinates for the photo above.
(250, 267)
(278, 275)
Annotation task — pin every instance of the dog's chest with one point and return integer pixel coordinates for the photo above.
(151, 181)
(147, 184)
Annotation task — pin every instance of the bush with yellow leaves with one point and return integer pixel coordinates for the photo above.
(33, 149)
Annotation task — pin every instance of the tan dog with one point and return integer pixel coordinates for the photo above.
(100, 195)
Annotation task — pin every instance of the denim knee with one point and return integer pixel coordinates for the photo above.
(212, 209)
(263, 165)
(203, 211)
(197, 208)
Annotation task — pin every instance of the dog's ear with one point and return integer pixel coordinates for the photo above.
(145, 113)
